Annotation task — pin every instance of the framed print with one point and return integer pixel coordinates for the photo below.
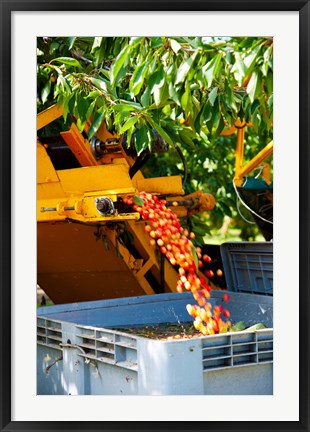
(107, 90)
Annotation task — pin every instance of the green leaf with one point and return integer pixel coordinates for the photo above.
(129, 136)
(82, 107)
(63, 85)
(161, 94)
(100, 84)
(156, 80)
(187, 137)
(253, 86)
(175, 45)
(90, 109)
(251, 58)
(220, 126)
(136, 105)
(54, 46)
(59, 87)
(66, 108)
(105, 73)
(240, 68)
(145, 98)
(185, 68)
(258, 326)
(46, 91)
(198, 121)
(216, 115)
(137, 78)
(195, 256)
(212, 95)
(137, 200)
(71, 103)
(80, 124)
(141, 139)
(245, 102)
(60, 100)
(160, 130)
(127, 107)
(118, 64)
(93, 94)
(128, 124)
(134, 41)
(269, 82)
(204, 116)
(96, 44)
(173, 93)
(120, 117)
(254, 106)
(211, 68)
(187, 103)
(156, 42)
(206, 113)
(71, 41)
(98, 119)
(264, 69)
(116, 45)
(239, 326)
(109, 122)
(230, 96)
(67, 61)
(268, 54)
(185, 100)
(270, 102)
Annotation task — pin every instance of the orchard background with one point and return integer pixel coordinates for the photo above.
(187, 89)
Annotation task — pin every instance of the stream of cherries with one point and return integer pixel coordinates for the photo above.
(175, 242)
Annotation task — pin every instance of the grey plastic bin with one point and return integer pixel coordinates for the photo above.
(248, 267)
(85, 356)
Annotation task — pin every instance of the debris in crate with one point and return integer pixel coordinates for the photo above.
(186, 330)
(163, 331)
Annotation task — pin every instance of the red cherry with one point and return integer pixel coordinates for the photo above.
(206, 258)
(217, 309)
(226, 297)
(175, 243)
(226, 313)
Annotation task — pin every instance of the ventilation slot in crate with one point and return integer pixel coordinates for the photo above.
(108, 347)
(237, 349)
(87, 343)
(49, 333)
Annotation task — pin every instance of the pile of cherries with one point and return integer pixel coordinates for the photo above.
(175, 242)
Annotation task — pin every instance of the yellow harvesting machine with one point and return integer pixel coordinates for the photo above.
(83, 222)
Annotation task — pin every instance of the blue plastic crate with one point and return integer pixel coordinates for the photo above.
(79, 351)
(248, 267)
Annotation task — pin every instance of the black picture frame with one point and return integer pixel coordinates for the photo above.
(7, 7)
